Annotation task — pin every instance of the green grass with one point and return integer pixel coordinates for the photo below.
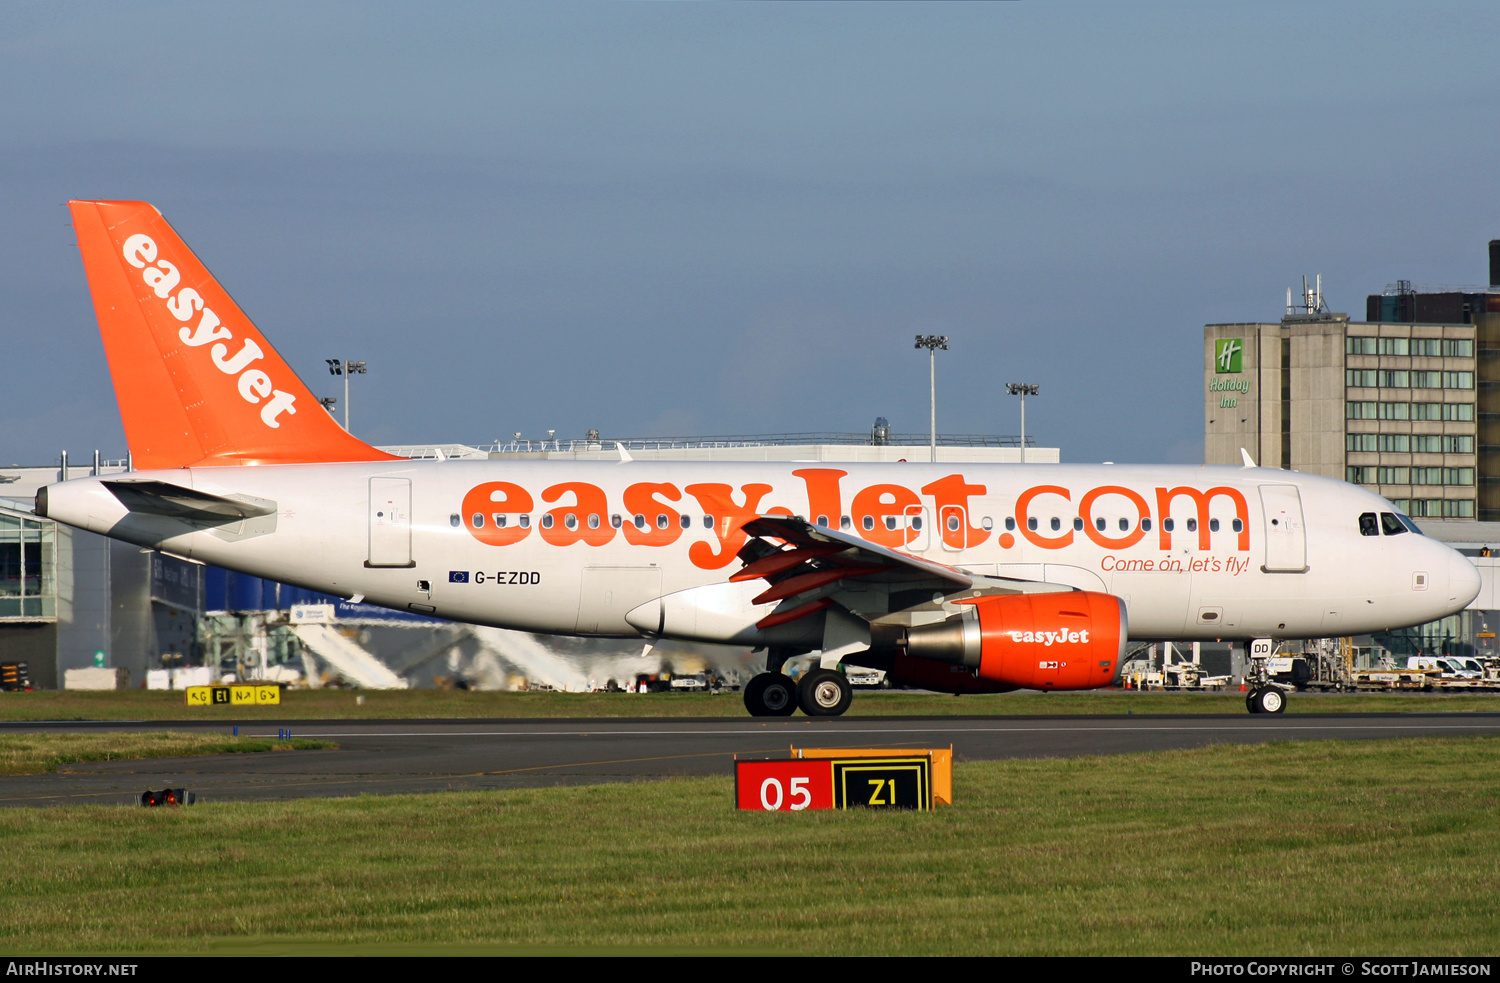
(442, 704)
(1379, 847)
(34, 754)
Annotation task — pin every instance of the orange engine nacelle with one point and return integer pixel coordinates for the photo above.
(1067, 640)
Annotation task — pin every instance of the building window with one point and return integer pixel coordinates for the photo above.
(1427, 380)
(1359, 345)
(1395, 411)
(1458, 445)
(1393, 378)
(1395, 346)
(1393, 476)
(1458, 411)
(1363, 378)
(1360, 442)
(1395, 443)
(1457, 380)
(1359, 474)
(1459, 347)
(1426, 444)
(1361, 410)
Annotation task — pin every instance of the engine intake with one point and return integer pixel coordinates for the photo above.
(1072, 640)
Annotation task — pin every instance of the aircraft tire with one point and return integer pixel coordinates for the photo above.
(824, 693)
(1269, 699)
(1250, 703)
(771, 694)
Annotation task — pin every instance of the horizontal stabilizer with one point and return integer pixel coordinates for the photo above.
(175, 502)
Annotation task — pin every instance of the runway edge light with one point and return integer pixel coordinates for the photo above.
(168, 797)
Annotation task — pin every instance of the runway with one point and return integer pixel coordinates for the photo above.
(398, 756)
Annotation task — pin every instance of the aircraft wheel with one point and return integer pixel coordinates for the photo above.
(824, 693)
(1269, 699)
(771, 694)
(1250, 703)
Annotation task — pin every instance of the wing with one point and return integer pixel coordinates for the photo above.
(810, 568)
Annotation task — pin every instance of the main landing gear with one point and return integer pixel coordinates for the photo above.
(771, 694)
(820, 693)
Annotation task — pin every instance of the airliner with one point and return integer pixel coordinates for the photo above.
(956, 578)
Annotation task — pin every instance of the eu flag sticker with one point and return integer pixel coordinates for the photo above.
(458, 576)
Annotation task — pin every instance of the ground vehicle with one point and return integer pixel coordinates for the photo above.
(975, 578)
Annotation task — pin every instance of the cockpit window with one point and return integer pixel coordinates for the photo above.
(1391, 525)
(1408, 523)
(1369, 525)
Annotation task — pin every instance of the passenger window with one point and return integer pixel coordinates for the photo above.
(986, 523)
(1077, 524)
(823, 521)
(687, 521)
(1099, 524)
(868, 522)
(499, 518)
(1213, 525)
(570, 520)
(708, 522)
(890, 522)
(1010, 524)
(844, 523)
(1031, 523)
(1238, 526)
(953, 523)
(525, 522)
(594, 521)
(916, 522)
(1056, 523)
(1145, 525)
(1124, 525)
(455, 520)
(661, 520)
(1369, 525)
(547, 521)
(1167, 524)
(640, 521)
(616, 521)
(1391, 525)
(1192, 525)
(478, 520)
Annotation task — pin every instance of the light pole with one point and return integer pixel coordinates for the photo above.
(338, 366)
(932, 342)
(1022, 389)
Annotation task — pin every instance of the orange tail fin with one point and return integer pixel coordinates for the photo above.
(196, 381)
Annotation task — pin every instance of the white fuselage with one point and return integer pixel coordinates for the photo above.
(1194, 553)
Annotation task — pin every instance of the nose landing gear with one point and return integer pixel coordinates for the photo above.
(1265, 699)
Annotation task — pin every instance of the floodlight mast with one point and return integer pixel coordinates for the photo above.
(1022, 389)
(932, 342)
(345, 368)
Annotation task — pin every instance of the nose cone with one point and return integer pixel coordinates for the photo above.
(1463, 580)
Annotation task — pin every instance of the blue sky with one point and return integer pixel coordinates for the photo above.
(681, 218)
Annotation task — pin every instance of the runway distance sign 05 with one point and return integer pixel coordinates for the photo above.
(797, 784)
